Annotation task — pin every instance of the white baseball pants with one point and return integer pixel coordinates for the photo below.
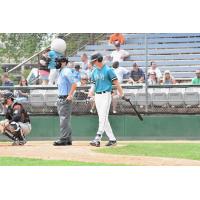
(103, 102)
(53, 77)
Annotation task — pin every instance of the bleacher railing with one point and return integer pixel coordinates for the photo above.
(170, 99)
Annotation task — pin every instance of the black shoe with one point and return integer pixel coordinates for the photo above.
(18, 142)
(62, 143)
(111, 143)
(95, 143)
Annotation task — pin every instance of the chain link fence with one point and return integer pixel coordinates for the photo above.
(174, 99)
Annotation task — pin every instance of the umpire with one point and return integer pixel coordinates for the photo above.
(66, 88)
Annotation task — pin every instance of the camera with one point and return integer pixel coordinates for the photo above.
(59, 61)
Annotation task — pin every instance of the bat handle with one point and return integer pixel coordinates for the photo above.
(125, 99)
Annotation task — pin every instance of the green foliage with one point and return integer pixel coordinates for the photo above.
(21, 45)
(26, 72)
(173, 150)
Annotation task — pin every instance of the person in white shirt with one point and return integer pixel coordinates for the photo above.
(153, 79)
(85, 63)
(120, 72)
(119, 54)
(154, 68)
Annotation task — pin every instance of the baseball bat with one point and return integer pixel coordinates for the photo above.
(134, 108)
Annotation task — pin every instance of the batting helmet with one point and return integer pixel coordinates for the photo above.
(96, 56)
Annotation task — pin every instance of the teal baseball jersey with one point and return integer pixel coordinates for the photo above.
(102, 78)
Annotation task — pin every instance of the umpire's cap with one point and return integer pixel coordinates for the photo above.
(96, 56)
(62, 59)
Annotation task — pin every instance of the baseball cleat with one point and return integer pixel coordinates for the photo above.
(19, 143)
(111, 143)
(95, 143)
(22, 142)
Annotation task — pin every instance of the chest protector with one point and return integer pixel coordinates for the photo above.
(16, 112)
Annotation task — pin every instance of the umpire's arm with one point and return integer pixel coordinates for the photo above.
(71, 92)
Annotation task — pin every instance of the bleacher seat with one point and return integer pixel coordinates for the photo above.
(177, 52)
(37, 98)
(141, 98)
(191, 98)
(159, 98)
(51, 97)
(175, 98)
(131, 94)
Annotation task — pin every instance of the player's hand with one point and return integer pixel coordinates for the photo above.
(125, 98)
(121, 95)
(90, 94)
(69, 98)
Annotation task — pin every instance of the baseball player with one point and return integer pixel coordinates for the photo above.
(102, 79)
(17, 123)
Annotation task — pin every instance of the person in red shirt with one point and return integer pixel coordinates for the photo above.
(116, 37)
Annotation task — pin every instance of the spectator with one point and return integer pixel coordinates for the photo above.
(196, 80)
(84, 80)
(137, 75)
(168, 78)
(119, 54)
(23, 94)
(153, 80)
(82, 94)
(71, 65)
(89, 72)
(154, 68)
(43, 69)
(53, 75)
(6, 80)
(119, 71)
(77, 73)
(116, 37)
(85, 62)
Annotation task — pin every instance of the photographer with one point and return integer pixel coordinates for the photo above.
(66, 88)
(43, 69)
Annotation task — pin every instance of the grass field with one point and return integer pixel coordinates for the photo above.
(104, 156)
(8, 161)
(171, 150)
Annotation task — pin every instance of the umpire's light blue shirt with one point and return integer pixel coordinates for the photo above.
(65, 81)
(53, 55)
(102, 78)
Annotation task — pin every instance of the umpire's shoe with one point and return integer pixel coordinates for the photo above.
(95, 143)
(111, 143)
(62, 143)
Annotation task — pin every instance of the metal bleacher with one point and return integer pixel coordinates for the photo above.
(177, 52)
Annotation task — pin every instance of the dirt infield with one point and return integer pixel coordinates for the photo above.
(81, 151)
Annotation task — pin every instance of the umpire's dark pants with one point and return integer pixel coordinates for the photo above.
(64, 110)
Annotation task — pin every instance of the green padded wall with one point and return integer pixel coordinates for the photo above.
(124, 126)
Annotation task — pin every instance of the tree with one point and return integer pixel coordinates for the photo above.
(19, 46)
